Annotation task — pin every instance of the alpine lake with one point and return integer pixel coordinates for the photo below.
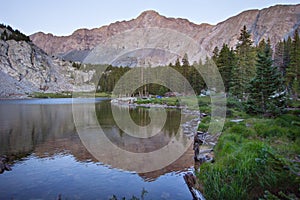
(66, 149)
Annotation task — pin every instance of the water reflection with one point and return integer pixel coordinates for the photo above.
(23, 127)
(140, 117)
(120, 150)
(49, 158)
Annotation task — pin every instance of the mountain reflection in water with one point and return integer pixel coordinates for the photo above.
(49, 159)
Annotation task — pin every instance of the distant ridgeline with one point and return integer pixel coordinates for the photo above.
(8, 33)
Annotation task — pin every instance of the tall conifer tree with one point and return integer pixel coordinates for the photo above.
(267, 93)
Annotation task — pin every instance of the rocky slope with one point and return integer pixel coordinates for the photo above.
(25, 68)
(155, 39)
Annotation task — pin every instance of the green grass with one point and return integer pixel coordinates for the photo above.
(91, 94)
(190, 102)
(254, 158)
(52, 95)
(171, 101)
(68, 95)
(245, 170)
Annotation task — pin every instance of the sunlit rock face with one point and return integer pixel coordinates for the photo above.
(170, 37)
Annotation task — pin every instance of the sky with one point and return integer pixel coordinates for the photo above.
(63, 17)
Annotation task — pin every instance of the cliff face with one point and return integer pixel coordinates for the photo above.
(25, 68)
(150, 39)
(130, 39)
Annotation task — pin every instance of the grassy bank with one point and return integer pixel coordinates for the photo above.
(256, 158)
(171, 101)
(190, 102)
(68, 95)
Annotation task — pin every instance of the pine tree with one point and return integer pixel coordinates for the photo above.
(293, 69)
(177, 63)
(224, 62)
(185, 66)
(185, 61)
(287, 52)
(261, 46)
(244, 70)
(267, 93)
(215, 55)
(278, 57)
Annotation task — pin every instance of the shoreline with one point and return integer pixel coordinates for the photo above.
(190, 127)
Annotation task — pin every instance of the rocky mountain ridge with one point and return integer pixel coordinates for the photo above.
(25, 69)
(147, 32)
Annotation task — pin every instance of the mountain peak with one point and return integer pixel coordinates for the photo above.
(149, 13)
(272, 23)
(149, 16)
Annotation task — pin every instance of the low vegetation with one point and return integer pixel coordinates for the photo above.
(68, 94)
(255, 158)
(51, 95)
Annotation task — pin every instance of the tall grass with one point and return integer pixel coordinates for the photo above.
(255, 159)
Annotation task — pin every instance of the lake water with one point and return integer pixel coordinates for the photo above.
(54, 157)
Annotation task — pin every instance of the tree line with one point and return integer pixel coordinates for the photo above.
(10, 34)
(262, 77)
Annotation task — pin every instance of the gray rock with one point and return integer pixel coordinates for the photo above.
(24, 69)
(132, 42)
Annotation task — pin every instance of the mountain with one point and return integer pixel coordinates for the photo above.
(152, 39)
(25, 68)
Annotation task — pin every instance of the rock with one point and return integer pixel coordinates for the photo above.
(204, 155)
(237, 120)
(200, 133)
(276, 23)
(7, 167)
(4, 158)
(191, 182)
(4, 166)
(203, 115)
(25, 68)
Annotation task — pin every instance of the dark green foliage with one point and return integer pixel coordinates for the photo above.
(293, 70)
(108, 79)
(76, 65)
(287, 58)
(11, 34)
(244, 69)
(225, 60)
(185, 66)
(204, 125)
(215, 55)
(278, 57)
(177, 63)
(267, 94)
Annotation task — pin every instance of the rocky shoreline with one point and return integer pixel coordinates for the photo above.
(203, 141)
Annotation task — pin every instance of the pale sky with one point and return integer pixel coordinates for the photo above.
(62, 17)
